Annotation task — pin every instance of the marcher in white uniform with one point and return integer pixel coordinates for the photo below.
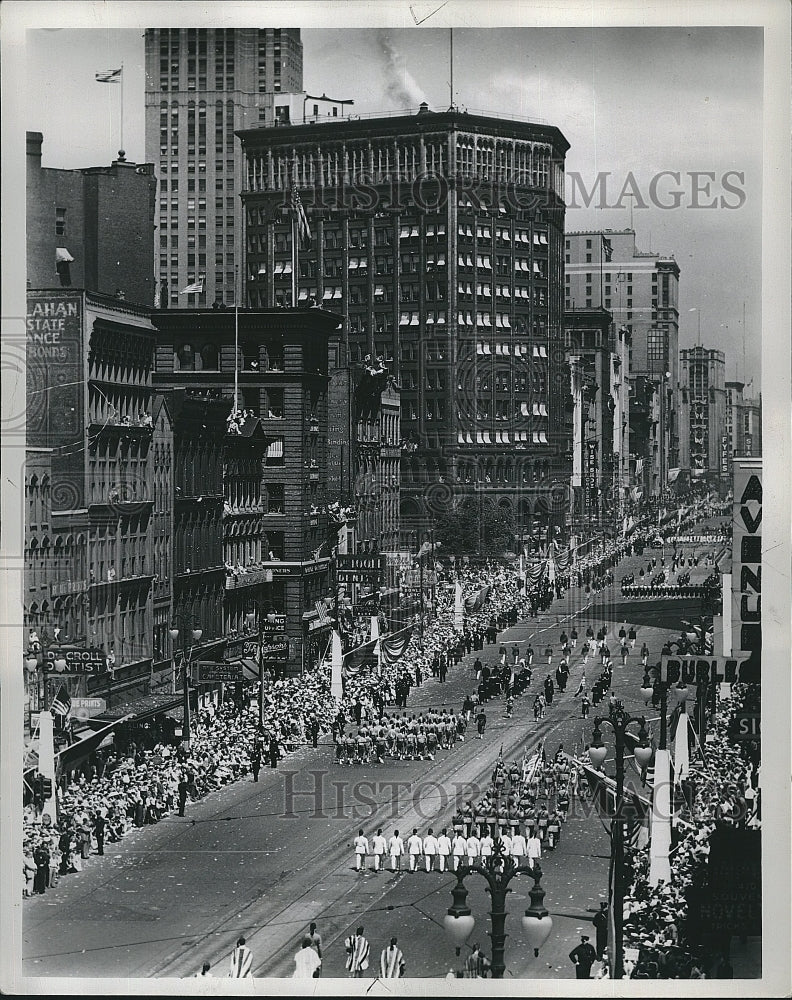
(429, 849)
(414, 847)
(485, 846)
(443, 850)
(534, 850)
(378, 848)
(396, 849)
(473, 848)
(361, 850)
(518, 848)
(459, 848)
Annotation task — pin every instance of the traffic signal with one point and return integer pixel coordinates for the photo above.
(46, 788)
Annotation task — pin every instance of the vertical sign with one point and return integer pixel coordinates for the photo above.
(55, 387)
(746, 589)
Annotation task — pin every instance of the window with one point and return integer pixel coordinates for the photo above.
(60, 221)
(185, 357)
(275, 498)
(275, 404)
(210, 358)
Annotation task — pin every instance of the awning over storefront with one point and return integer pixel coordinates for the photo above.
(137, 710)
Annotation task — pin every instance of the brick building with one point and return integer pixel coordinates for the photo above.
(702, 417)
(88, 555)
(597, 355)
(91, 228)
(605, 269)
(273, 522)
(439, 237)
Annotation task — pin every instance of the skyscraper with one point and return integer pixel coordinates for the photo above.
(439, 237)
(702, 416)
(202, 84)
(640, 289)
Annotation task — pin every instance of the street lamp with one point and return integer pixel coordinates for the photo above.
(619, 721)
(186, 660)
(498, 869)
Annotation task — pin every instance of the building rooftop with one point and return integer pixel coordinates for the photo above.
(421, 120)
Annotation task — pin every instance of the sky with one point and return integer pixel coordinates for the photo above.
(632, 102)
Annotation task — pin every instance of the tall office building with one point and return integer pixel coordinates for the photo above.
(704, 440)
(641, 290)
(203, 84)
(439, 238)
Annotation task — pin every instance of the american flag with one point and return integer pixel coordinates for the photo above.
(303, 229)
(61, 703)
(323, 611)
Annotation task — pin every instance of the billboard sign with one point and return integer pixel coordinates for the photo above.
(746, 595)
(55, 390)
(210, 672)
(75, 661)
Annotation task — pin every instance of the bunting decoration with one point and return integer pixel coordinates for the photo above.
(394, 647)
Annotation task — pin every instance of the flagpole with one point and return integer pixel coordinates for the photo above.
(295, 257)
(236, 340)
(122, 105)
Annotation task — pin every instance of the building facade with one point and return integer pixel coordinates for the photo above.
(91, 228)
(743, 421)
(88, 547)
(600, 432)
(203, 84)
(273, 526)
(702, 413)
(641, 289)
(439, 237)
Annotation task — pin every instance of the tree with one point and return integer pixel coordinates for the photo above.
(475, 526)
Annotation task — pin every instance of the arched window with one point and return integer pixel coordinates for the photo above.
(185, 356)
(209, 357)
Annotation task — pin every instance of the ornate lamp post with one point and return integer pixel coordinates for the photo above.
(619, 721)
(498, 869)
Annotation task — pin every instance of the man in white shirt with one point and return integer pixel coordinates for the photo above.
(507, 844)
(518, 848)
(485, 846)
(473, 848)
(306, 962)
(430, 847)
(414, 848)
(361, 850)
(443, 849)
(395, 849)
(378, 848)
(459, 848)
(533, 849)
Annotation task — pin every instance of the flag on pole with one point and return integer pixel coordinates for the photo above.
(61, 703)
(196, 286)
(110, 75)
(607, 249)
(303, 229)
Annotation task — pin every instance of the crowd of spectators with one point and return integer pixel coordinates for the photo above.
(657, 924)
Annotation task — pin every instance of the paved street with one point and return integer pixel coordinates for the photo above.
(265, 859)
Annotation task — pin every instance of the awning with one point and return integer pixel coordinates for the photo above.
(62, 255)
(137, 710)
